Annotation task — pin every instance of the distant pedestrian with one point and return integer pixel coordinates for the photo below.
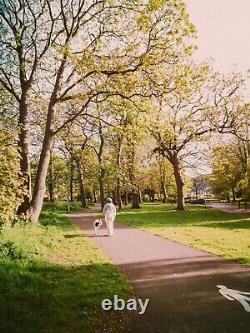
(109, 212)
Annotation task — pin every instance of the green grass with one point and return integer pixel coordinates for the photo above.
(222, 233)
(53, 279)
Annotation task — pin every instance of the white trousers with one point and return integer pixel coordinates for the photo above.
(109, 220)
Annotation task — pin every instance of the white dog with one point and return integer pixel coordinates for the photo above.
(97, 225)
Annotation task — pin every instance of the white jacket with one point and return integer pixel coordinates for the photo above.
(109, 209)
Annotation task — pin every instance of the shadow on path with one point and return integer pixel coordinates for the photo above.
(180, 282)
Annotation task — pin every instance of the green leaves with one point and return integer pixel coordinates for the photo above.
(155, 4)
(227, 170)
(10, 183)
(144, 22)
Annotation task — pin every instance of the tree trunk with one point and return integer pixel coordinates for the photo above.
(135, 199)
(42, 170)
(140, 196)
(126, 198)
(82, 189)
(40, 186)
(132, 178)
(179, 183)
(94, 195)
(162, 180)
(196, 193)
(101, 187)
(40, 182)
(23, 145)
(164, 191)
(51, 181)
(71, 182)
(118, 181)
(114, 193)
(118, 194)
(234, 196)
(102, 170)
(43, 165)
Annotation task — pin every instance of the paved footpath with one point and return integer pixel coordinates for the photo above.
(228, 207)
(180, 282)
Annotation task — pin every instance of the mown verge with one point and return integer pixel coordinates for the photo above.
(222, 233)
(53, 279)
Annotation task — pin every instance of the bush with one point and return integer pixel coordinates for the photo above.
(60, 206)
(10, 183)
(11, 251)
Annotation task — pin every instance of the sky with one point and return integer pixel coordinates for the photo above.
(223, 29)
(223, 32)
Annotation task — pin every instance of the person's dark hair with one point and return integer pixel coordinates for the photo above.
(109, 200)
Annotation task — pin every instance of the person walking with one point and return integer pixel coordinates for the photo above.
(109, 212)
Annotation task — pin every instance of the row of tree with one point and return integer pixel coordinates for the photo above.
(108, 85)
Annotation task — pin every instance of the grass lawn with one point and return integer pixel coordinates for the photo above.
(222, 233)
(53, 279)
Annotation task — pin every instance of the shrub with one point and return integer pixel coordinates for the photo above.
(10, 183)
(9, 250)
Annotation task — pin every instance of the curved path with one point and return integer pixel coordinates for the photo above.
(180, 282)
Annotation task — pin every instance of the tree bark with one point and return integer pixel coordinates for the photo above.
(24, 126)
(196, 193)
(51, 181)
(233, 192)
(135, 192)
(179, 183)
(140, 196)
(118, 181)
(43, 165)
(135, 199)
(82, 189)
(71, 182)
(101, 188)
(40, 181)
(114, 195)
(40, 186)
(23, 145)
(94, 195)
(164, 192)
(118, 194)
(162, 180)
(126, 198)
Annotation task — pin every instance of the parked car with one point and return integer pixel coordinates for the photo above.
(198, 202)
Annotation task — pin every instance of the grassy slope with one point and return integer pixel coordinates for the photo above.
(53, 279)
(212, 230)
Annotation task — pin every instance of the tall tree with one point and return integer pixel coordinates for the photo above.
(199, 103)
(88, 54)
(22, 47)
